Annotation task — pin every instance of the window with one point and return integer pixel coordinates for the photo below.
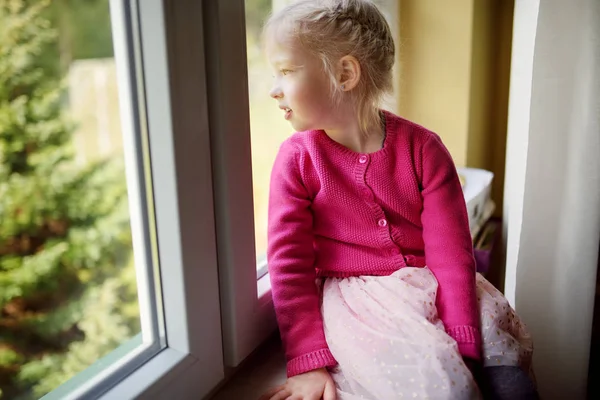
(78, 294)
(108, 267)
(267, 126)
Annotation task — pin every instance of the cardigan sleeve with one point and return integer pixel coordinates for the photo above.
(291, 259)
(449, 248)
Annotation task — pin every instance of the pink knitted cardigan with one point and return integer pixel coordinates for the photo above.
(337, 213)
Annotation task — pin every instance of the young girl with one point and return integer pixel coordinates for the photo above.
(370, 255)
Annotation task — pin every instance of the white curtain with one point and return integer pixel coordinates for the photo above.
(552, 189)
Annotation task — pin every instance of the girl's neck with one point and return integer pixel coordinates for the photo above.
(352, 137)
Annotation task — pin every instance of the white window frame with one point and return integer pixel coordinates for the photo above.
(129, 356)
(248, 316)
(176, 117)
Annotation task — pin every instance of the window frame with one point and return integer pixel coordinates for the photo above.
(248, 316)
(176, 114)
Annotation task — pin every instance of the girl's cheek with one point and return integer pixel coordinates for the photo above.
(292, 92)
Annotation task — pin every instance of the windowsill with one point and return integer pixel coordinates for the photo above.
(106, 371)
(263, 370)
(262, 267)
(152, 376)
(264, 289)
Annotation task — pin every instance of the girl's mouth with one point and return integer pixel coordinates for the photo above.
(288, 112)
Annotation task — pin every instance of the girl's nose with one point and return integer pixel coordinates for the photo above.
(276, 93)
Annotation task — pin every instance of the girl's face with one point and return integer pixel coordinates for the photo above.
(300, 87)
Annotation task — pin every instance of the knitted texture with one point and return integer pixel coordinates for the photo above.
(337, 213)
(308, 362)
(468, 339)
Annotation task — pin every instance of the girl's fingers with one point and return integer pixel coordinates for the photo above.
(268, 395)
(281, 395)
(329, 393)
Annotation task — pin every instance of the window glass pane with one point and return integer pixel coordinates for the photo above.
(69, 292)
(268, 127)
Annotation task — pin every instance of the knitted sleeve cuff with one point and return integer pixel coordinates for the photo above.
(468, 339)
(307, 362)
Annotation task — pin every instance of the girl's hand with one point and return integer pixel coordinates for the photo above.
(312, 385)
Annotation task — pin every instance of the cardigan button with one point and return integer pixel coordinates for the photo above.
(382, 222)
(362, 159)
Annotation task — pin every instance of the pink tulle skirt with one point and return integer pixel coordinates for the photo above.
(385, 333)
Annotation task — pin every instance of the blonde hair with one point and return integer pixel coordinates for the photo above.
(332, 29)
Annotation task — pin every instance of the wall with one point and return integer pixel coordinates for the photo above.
(454, 77)
(481, 85)
(435, 68)
(552, 192)
(489, 86)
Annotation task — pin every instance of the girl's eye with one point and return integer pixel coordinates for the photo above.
(285, 71)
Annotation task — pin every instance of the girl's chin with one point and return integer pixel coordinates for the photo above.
(299, 126)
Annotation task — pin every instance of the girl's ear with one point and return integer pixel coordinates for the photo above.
(348, 73)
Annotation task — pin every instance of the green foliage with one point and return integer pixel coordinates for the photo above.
(82, 31)
(86, 23)
(9, 357)
(103, 308)
(67, 283)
